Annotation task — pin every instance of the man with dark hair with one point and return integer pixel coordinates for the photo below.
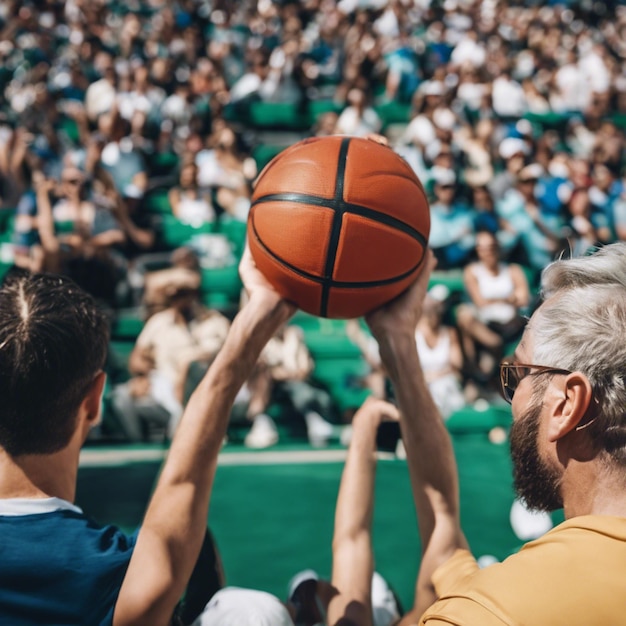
(56, 565)
(53, 345)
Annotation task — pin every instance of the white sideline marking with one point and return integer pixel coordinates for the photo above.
(99, 458)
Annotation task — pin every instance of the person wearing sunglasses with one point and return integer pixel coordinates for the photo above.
(566, 385)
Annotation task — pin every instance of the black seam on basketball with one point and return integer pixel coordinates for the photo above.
(333, 283)
(344, 207)
(335, 232)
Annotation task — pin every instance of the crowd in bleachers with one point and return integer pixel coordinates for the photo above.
(131, 129)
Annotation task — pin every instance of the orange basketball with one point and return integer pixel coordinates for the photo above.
(338, 225)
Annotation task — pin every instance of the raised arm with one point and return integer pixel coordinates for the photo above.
(353, 561)
(174, 526)
(430, 457)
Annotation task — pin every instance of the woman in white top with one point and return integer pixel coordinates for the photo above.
(189, 203)
(498, 291)
(441, 357)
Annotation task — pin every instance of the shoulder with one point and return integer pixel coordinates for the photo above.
(158, 322)
(541, 584)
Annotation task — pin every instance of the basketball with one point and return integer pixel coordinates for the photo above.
(338, 225)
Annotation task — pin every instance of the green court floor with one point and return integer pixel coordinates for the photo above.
(272, 512)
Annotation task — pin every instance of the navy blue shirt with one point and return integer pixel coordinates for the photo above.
(60, 568)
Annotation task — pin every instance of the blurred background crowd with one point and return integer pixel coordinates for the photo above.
(131, 134)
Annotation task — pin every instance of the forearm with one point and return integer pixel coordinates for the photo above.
(45, 222)
(175, 522)
(353, 514)
(430, 458)
(353, 561)
(107, 239)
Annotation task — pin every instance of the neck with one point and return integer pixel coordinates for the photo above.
(39, 475)
(594, 488)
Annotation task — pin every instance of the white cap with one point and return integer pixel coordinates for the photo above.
(99, 98)
(444, 118)
(433, 88)
(234, 606)
(527, 524)
(511, 146)
(443, 175)
(384, 605)
(439, 292)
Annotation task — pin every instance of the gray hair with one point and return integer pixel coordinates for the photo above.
(582, 327)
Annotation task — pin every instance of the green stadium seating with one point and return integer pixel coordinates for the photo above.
(127, 324)
(393, 113)
(317, 108)
(277, 115)
(157, 201)
(477, 420)
(163, 163)
(220, 287)
(68, 127)
(264, 153)
(452, 279)
(235, 232)
(174, 233)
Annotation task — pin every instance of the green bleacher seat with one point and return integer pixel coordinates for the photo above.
(470, 419)
(619, 119)
(317, 108)
(393, 113)
(67, 126)
(452, 279)
(127, 324)
(174, 233)
(235, 232)
(549, 120)
(164, 163)
(341, 376)
(7, 220)
(220, 287)
(279, 115)
(157, 201)
(327, 338)
(264, 153)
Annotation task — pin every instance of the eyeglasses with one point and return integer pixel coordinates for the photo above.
(512, 374)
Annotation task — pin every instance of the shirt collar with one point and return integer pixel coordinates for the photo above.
(32, 506)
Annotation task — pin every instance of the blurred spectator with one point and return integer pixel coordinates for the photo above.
(79, 237)
(222, 167)
(512, 151)
(532, 238)
(498, 293)
(589, 225)
(440, 353)
(286, 366)
(452, 223)
(189, 203)
(358, 118)
(171, 340)
(495, 91)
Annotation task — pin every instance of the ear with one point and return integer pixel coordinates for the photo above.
(570, 397)
(92, 403)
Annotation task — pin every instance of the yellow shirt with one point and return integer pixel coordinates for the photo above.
(574, 574)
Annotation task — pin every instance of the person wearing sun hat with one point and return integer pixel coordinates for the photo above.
(529, 233)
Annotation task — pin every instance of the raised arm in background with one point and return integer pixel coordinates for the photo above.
(175, 523)
(430, 457)
(353, 560)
